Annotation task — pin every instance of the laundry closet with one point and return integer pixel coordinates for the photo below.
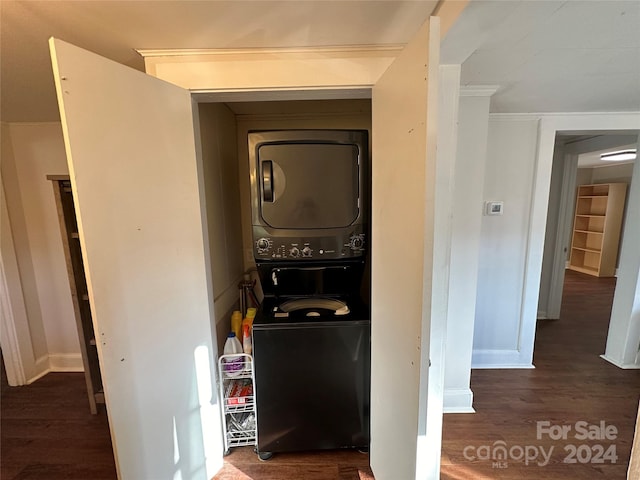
(299, 185)
(163, 211)
(224, 131)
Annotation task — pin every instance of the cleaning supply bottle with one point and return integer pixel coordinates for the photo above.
(246, 339)
(248, 319)
(236, 324)
(233, 364)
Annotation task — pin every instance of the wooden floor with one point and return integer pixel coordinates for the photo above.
(48, 432)
(569, 384)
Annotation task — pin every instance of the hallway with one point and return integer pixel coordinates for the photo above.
(570, 384)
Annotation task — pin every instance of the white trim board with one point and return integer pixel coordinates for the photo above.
(478, 90)
(564, 225)
(15, 336)
(272, 69)
(10, 345)
(55, 363)
(578, 121)
(482, 359)
(625, 366)
(249, 53)
(458, 400)
(65, 362)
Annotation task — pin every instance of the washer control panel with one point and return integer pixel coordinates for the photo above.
(318, 248)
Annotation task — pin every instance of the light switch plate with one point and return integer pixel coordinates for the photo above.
(493, 208)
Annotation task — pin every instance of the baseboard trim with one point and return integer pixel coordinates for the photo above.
(66, 362)
(42, 367)
(57, 362)
(511, 359)
(458, 400)
(37, 376)
(624, 366)
(458, 410)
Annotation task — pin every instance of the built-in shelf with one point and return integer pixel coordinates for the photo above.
(593, 250)
(587, 270)
(596, 228)
(77, 282)
(588, 231)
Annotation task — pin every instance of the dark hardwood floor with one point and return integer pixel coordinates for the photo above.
(48, 432)
(570, 383)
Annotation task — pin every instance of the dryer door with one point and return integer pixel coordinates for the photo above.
(309, 185)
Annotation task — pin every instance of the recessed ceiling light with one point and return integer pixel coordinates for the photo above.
(618, 156)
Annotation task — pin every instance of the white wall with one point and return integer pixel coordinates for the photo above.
(38, 151)
(473, 122)
(511, 157)
(220, 172)
(584, 176)
(612, 174)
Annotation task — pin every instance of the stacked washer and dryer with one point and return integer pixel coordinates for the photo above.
(311, 335)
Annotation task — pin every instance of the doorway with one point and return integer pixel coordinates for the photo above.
(577, 163)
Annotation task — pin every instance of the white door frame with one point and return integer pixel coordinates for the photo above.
(9, 338)
(17, 349)
(549, 126)
(623, 339)
(563, 231)
(566, 208)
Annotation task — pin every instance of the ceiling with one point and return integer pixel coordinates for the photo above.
(592, 159)
(551, 56)
(115, 28)
(544, 56)
(590, 145)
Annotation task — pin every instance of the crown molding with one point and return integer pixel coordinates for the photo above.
(316, 68)
(329, 50)
(478, 90)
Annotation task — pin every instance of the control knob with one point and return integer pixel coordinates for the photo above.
(263, 244)
(306, 252)
(356, 242)
(294, 252)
